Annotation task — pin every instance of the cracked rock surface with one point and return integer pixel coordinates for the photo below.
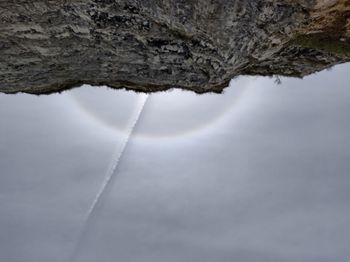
(199, 45)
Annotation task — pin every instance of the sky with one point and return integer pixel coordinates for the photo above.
(259, 173)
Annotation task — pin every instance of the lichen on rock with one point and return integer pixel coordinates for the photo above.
(148, 46)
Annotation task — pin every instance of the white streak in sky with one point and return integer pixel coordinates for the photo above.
(108, 178)
(116, 158)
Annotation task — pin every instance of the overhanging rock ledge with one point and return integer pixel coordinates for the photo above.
(148, 46)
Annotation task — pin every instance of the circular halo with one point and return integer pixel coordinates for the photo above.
(166, 114)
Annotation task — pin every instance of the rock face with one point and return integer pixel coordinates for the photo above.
(48, 46)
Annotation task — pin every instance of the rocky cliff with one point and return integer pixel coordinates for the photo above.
(48, 46)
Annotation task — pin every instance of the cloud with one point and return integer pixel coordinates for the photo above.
(268, 182)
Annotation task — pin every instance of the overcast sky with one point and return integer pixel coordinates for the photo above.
(260, 173)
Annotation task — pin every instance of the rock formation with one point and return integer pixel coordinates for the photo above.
(52, 45)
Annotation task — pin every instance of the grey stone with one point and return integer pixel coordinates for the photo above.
(199, 45)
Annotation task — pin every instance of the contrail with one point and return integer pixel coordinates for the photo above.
(108, 178)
